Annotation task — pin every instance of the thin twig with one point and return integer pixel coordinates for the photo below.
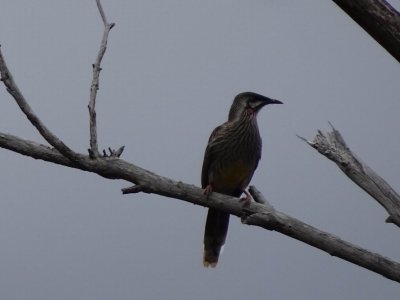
(94, 148)
(102, 14)
(113, 153)
(13, 90)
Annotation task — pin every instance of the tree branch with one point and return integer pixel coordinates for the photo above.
(14, 91)
(335, 246)
(333, 146)
(94, 149)
(102, 14)
(256, 214)
(379, 19)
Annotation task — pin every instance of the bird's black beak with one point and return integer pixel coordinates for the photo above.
(271, 101)
(265, 101)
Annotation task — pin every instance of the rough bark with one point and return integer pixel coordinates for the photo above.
(333, 146)
(379, 19)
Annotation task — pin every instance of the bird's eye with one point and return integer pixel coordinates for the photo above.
(250, 104)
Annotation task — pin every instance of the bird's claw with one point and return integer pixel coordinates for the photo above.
(208, 190)
(245, 201)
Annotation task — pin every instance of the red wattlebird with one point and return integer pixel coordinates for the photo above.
(230, 159)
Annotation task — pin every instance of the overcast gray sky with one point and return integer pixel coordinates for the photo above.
(169, 75)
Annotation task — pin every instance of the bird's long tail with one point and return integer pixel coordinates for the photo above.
(214, 236)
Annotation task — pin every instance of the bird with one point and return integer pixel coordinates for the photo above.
(231, 157)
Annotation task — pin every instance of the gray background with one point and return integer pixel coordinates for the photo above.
(169, 76)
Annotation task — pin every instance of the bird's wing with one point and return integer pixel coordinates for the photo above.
(209, 155)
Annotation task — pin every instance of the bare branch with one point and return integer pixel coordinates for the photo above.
(14, 91)
(333, 146)
(379, 19)
(102, 14)
(280, 222)
(259, 198)
(252, 214)
(94, 149)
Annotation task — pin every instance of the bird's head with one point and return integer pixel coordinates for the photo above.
(248, 103)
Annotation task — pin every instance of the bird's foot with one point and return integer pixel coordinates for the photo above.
(246, 200)
(208, 190)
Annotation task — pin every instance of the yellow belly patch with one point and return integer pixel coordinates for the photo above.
(232, 177)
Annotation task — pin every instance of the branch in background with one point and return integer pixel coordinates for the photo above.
(379, 19)
(94, 149)
(333, 146)
(256, 214)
